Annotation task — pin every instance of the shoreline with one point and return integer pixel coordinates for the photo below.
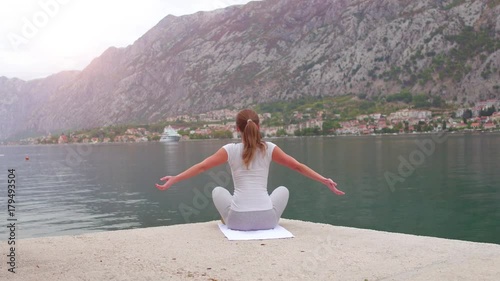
(199, 251)
(457, 133)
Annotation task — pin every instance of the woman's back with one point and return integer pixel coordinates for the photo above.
(250, 184)
(251, 207)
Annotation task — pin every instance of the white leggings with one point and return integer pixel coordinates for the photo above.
(253, 220)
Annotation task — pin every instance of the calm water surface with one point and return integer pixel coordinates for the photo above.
(453, 192)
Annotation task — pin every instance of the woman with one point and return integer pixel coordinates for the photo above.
(251, 207)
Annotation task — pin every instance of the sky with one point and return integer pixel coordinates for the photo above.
(43, 37)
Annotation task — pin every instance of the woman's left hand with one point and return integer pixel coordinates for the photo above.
(170, 180)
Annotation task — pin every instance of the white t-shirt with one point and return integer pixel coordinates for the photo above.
(250, 185)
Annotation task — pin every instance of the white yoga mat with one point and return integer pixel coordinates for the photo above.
(275, 233)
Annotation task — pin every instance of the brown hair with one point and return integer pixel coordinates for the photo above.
(247, 122)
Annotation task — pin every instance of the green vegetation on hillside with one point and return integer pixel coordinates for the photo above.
(453, 4)
(455, 64)
(470, 44)
(346, 107)
(493, 3)
(416, 100)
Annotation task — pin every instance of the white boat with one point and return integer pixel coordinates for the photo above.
(170, 135)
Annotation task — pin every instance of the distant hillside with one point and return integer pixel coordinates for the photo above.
(267, 51)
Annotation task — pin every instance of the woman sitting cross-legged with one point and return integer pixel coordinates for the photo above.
(250, 207)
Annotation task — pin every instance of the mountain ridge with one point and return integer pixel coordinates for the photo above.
(266, 51)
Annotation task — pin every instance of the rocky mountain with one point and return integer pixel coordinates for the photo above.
(270, 50)
(20, 100)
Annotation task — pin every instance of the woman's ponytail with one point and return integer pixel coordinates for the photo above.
(250, 134)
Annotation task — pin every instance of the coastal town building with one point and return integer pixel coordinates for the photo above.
(489, 126)
(495, 116)
(221, 123)
(408, 114)
(62, 139)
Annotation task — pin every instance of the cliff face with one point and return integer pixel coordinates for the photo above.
(269, 50)
(21, 100)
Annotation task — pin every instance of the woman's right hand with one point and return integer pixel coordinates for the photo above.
(170, 180)
(333, 187)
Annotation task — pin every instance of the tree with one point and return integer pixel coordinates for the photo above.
(407, 126)
(404, 96)
(308, 132)
(222, 134)
(467, 115)
(488, 112)
(398, 126)
(329, 125)
(388, 131)
(421, 126)
(437, 101)
(421, 101)
(281, 133)
(428, 128)
(362, 96)
(183, 132)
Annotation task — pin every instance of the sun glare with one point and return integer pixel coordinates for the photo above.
(67, 34)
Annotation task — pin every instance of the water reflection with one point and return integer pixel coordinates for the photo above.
(454, 193)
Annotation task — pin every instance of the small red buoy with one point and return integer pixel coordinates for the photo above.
(27, 157)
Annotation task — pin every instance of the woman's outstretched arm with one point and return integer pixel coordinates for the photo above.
(280, 157)
(216, 159)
